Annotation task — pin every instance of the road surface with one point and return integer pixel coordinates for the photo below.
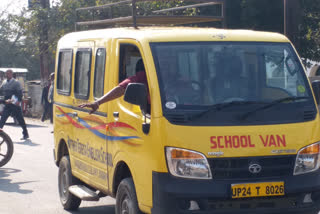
(28, 183)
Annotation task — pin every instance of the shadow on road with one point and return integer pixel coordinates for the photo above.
(27, 142)
(7, 186)
(28, 125)
(107, 209)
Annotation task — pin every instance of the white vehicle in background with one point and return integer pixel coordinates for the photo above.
(314, 73)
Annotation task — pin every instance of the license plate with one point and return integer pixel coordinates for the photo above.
(257, 189)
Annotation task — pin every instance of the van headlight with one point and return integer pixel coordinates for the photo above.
(308, 159)
(187, 164)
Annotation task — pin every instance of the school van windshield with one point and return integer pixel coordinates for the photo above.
(232, 83)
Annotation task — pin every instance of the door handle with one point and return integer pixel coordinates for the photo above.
(116, 114)
(74, 114)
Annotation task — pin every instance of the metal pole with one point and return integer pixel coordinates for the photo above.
(285, 17)
(134, 13)
(224, 13)
(44, 41)
(75, 24)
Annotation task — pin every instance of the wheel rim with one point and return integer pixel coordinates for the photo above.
(63, 184)
(126, 205)
(4, 149)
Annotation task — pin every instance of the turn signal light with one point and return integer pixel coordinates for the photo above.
(313, 149)
(184, 154)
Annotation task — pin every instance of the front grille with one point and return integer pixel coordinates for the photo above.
(238, 168)
(262, 203)
(177, 118)
(309, 115)
(257, 204)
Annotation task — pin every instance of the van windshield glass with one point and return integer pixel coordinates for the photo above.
(195, 77)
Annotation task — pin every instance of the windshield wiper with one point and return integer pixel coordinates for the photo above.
(220, 106)
(268, 105)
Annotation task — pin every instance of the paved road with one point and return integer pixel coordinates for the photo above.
(28, 183)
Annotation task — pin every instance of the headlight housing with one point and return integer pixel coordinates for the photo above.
(308, 159)
(187, 164)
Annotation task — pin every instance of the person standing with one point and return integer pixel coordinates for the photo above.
(12, 91)
(50, 97)
(44, 101)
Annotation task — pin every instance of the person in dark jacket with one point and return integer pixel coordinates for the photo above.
(12, 92)
(45, 102)
(50, 96)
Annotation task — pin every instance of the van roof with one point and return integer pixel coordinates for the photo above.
(165, 34)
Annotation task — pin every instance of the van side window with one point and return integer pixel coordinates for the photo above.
(64, 72)
(129, 56)
(82, 73)
(99, 73)
(132, 69)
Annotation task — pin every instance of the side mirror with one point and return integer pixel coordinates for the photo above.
(316, 90)
(137, 94)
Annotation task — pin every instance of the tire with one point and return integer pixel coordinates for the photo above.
(6, 148)
(65, 180)
(126, 198)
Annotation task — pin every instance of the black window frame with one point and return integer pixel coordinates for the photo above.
(95, 72)
(80, 96)
(59, 91)
(317, 73)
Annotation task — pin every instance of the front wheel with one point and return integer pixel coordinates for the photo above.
(126, 198)
(65, 180)
(6, 148)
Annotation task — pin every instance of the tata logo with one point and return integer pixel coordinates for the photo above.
(219, 36)
(255, 168)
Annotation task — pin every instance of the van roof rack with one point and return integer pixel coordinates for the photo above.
(146, 20)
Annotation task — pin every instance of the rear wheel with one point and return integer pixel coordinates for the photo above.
(126, 199)
(6, 148)
(65, 180)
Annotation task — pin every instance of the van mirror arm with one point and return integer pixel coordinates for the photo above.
(145, 127)
(137, 94)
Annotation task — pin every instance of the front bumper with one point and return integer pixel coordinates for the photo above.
(177, 195)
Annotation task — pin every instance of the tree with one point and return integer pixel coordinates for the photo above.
(13, 43)
(38, 43)
(309, 37)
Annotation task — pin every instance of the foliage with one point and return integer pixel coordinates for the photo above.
(267, 15)
(15, 45)
(310, 30)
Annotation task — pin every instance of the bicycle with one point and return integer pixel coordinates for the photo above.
(6, 144)
(6, 148)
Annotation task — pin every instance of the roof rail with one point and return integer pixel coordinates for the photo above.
(155, 19)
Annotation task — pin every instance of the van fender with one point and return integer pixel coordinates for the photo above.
(61, 147)
(122, 168)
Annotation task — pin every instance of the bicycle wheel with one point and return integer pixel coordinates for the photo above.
(6, 148)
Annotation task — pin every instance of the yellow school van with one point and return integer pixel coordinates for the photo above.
(227, 122)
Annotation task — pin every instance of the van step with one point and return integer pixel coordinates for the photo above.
(84, 193)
